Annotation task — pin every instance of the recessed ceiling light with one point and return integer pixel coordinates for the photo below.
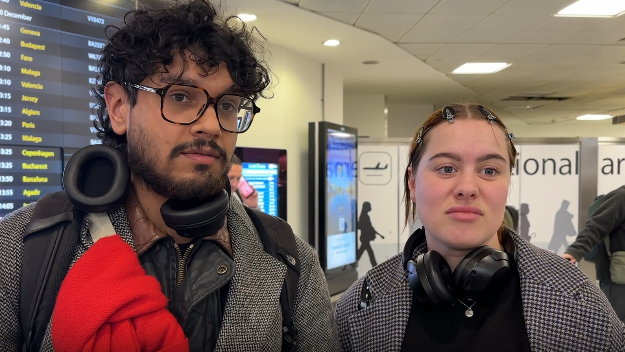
(594, 8)
(331, 42)
(246, 17)
(474, 68)
(594, 117)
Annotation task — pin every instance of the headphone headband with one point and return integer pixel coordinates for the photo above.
(418, 235)
(431, 279)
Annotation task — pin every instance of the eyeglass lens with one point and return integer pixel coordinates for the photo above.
(183, 104)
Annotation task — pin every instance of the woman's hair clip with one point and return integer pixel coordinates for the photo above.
(510, 136)
(419, 136)
(448, 113)
(489, 115)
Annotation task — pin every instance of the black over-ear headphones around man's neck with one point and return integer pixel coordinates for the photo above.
(97, 177)
(432, 280)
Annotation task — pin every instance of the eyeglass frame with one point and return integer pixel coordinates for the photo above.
(209, 101)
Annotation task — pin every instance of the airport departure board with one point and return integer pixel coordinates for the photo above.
(26, 174)
(48, 63)
(49, 52)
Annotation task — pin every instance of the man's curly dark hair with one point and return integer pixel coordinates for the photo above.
(152, 38)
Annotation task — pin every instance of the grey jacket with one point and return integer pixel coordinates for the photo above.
(563, 310)
(608, 219)
(252, 318)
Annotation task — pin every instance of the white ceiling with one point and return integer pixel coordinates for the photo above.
(579, 58)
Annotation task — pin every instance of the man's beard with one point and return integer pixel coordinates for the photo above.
(142, 162)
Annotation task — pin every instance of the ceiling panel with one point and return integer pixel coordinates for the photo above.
(454, 7)
(595, 75)
(616, 24)
(349, 18)
(447, 64)
(448, 22)
(540, 37)
(570, 25)
(372, 21)
(483, 85)
(351, 6)
(510, 52)
(550, 74)
(466, 51)
(568, 90)
(577, 57)
(509, 23)
(475, 36)
(390, 26)
(533, 7)
(400, 6)
(613, 69)
(557, 54)
(529, 86)
(591, 61)
(391, 34)
(466, 80)
(595, 38)
(422, 51)
(430, 36)
(498, 80)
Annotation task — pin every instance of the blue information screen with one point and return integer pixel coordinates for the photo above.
(264, 178)
(341, 198)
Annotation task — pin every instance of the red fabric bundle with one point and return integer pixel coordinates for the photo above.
(107, 303)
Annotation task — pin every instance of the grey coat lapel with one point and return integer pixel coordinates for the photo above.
(389, 310)
(557, 307)
(252, 318)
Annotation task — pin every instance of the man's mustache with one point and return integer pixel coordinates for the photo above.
(199, 144)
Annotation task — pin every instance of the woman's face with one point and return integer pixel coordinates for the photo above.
(461, 184)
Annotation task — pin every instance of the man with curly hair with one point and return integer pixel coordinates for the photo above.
(179, 83)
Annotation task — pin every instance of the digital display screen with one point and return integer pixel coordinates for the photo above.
(26, 174)
(264, 178)
(341, 199)
(49, 53)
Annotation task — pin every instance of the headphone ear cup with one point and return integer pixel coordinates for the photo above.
(96, 178)
(199, 218)
(415, 282)
(440, 276)
(479, 269)
(431, 278)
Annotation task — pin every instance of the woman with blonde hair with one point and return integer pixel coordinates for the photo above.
(465, 282)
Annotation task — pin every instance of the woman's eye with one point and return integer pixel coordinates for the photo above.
(489, 171)
(447, 169)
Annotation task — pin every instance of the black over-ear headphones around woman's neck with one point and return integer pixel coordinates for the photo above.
(432, 280)
(97, 177)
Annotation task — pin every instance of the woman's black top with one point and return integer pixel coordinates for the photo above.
(497, 323)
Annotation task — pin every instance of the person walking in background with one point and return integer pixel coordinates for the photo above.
(525, 223)
(367, 234)
(563, 227)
